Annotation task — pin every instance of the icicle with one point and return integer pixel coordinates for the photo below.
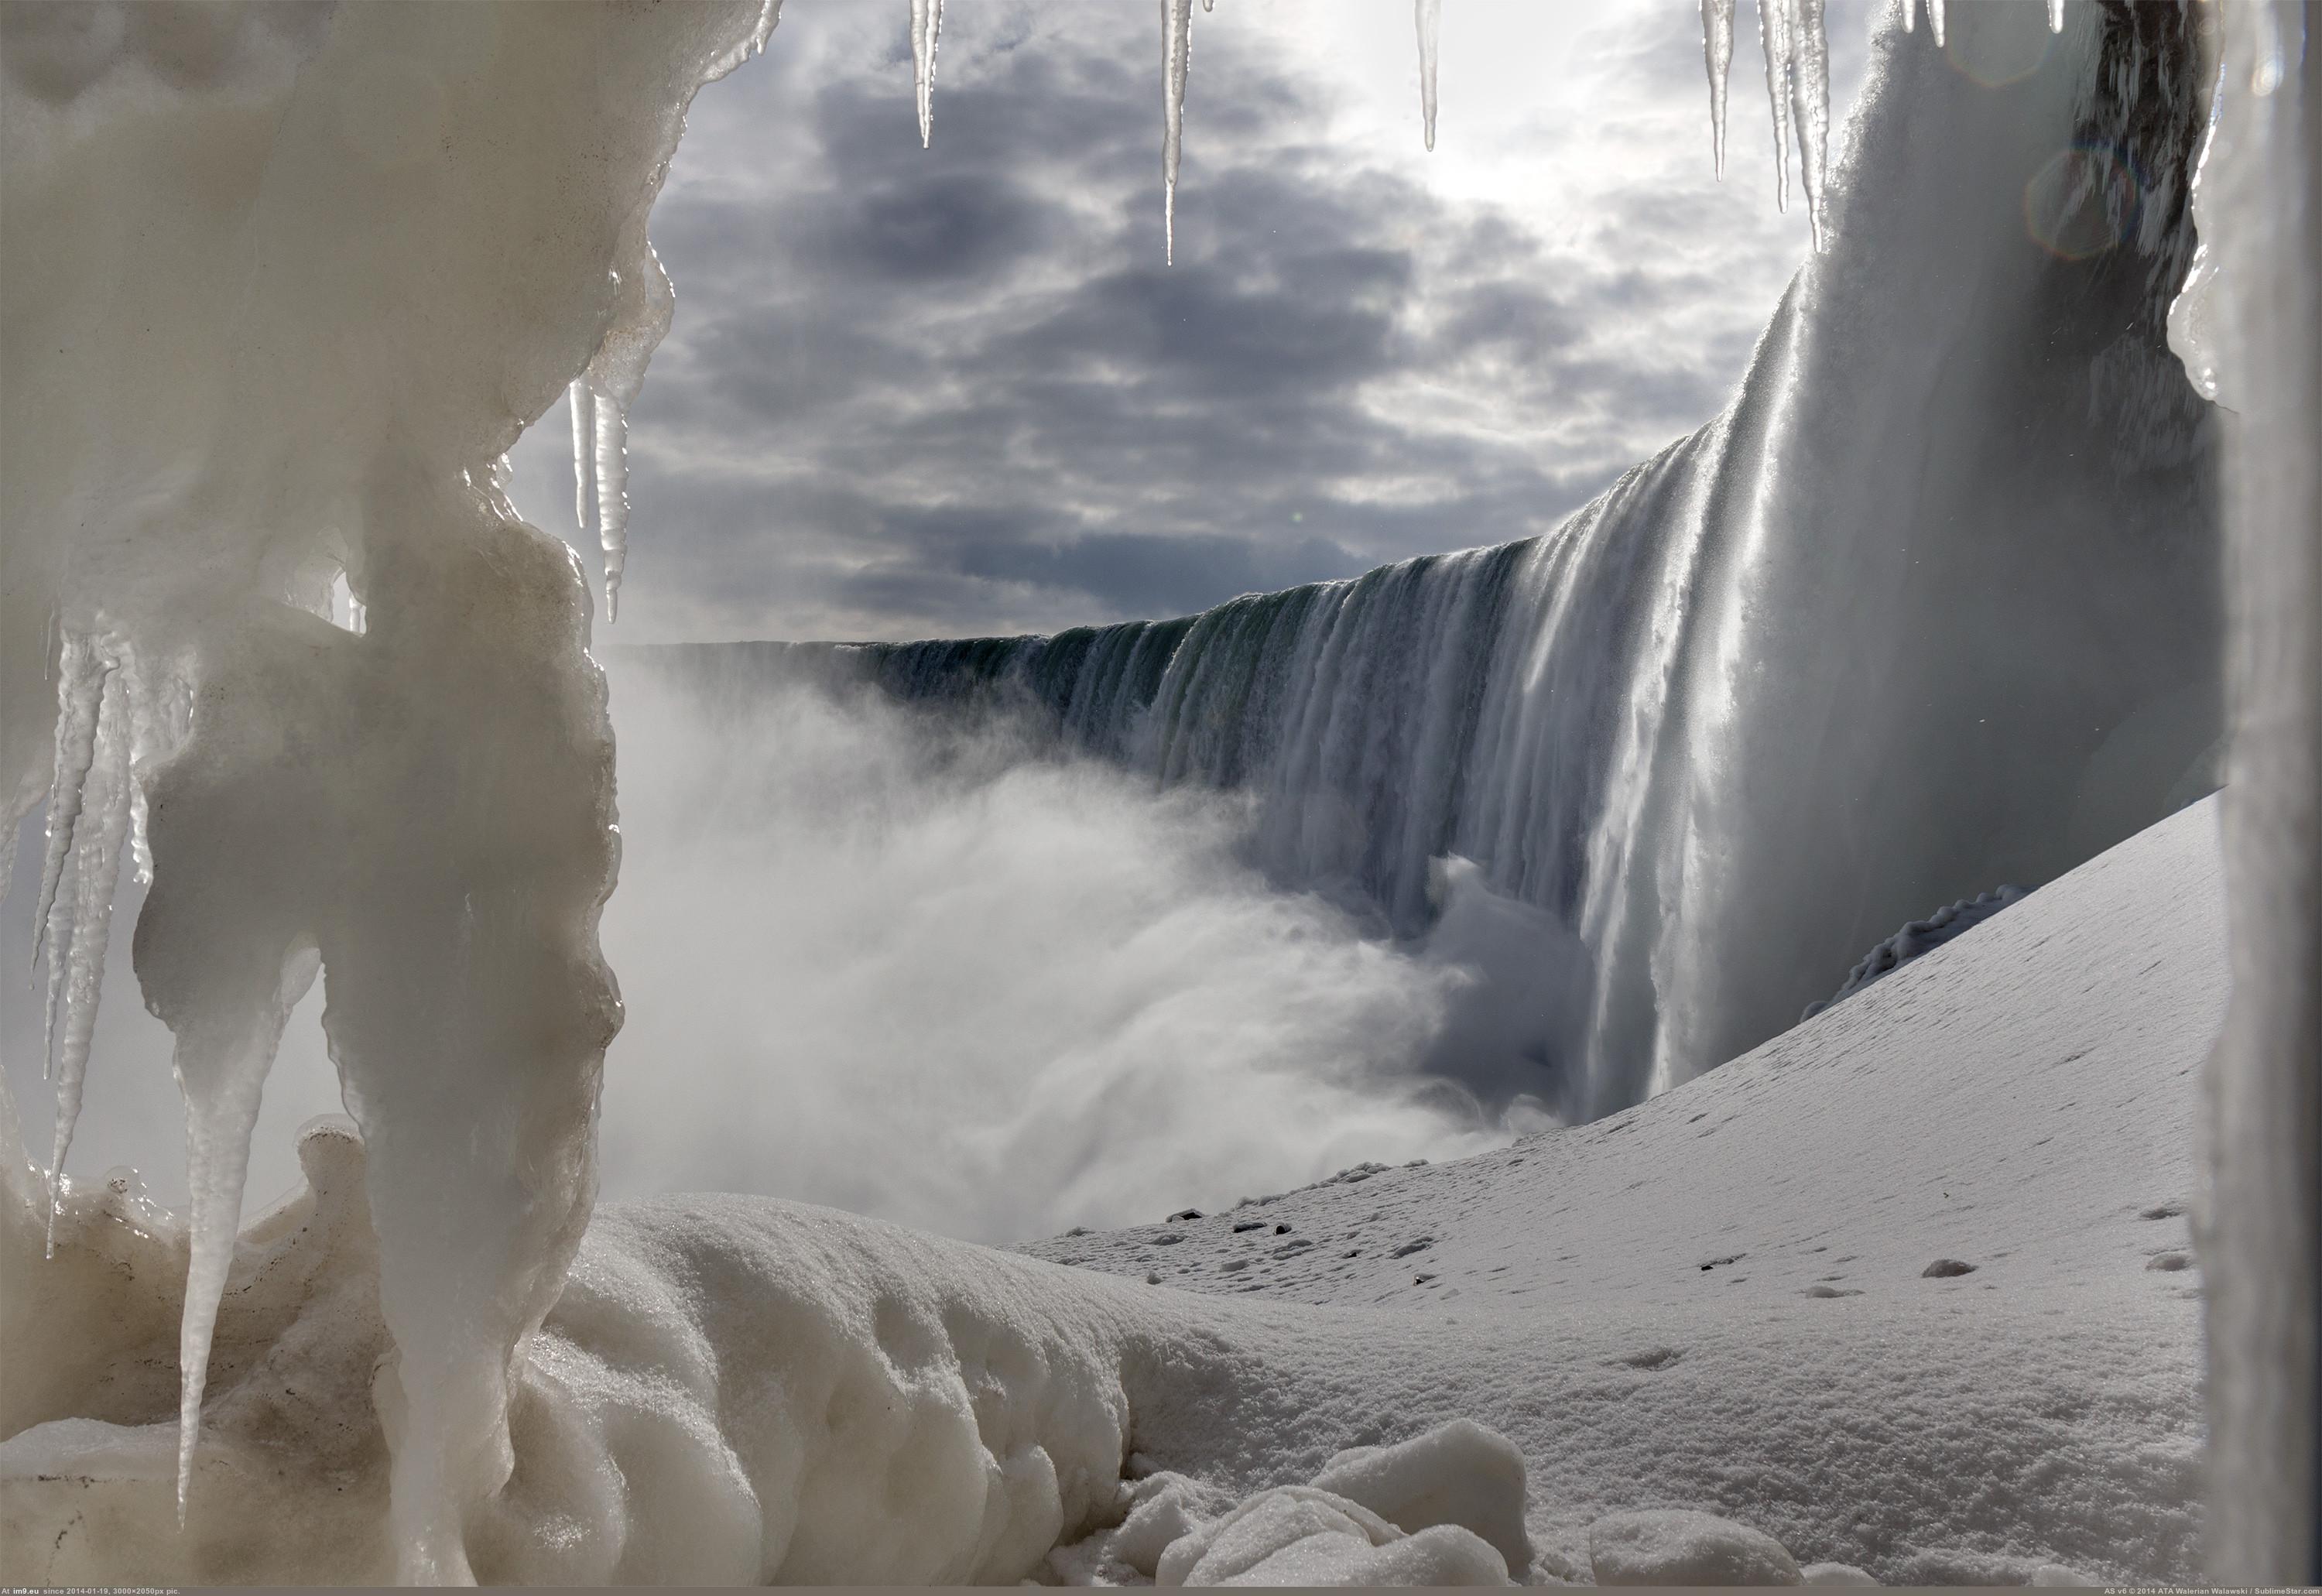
(145, 741)
(1176, 60)
(96, 870)
(583, 425)
(2055, 16)
(1717, 51)
(612, 496)
(1429, 17)
(927, 23)
(1810, 107)
(1774, 34)
(1935, 21)
(222, 1056)
(80, 690)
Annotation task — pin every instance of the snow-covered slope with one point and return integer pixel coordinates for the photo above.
(1719, 1300)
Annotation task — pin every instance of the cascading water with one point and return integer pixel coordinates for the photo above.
(1931, 608)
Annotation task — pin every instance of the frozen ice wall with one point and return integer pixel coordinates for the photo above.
(2250, 328)
(284, 282)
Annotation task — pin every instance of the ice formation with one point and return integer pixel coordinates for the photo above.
(1916, 940)
(2249, 326)
(1717, 51)
(335, 341)
(1176, 61)
(1430, 19)
(927, 25)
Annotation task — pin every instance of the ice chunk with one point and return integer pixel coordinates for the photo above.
(1176, 60)
(1430, 19)
(1458, 1473)
(1298, 1535)
(1676, 1547)
(926, 23)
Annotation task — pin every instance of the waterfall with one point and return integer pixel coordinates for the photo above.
(1931, 608)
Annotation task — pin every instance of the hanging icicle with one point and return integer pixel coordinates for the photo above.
(584, 424)
(1429, 18)
(926, 23)
(1717, 52)
(1177, 59)
(96, 870)
(1810, 107)
(612, 496)
(81, 671)
(1797, 91)
(1774, 39)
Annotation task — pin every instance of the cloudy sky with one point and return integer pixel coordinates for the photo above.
(934, 392)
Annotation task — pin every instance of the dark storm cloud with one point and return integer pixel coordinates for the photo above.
(951, 390)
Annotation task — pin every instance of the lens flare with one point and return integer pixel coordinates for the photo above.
(1996, 45)
(2083, 203)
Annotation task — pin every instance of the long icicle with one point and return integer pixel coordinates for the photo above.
(96, 871)
(1430, 19)
(584, 424)
(612, 496)
(1774, 35)
(222, 1056)
(1176, 60)
(927, 25)
(1717, 54)
(2055, 16)
(80, 689)
(1810, 109)
(1935, 21)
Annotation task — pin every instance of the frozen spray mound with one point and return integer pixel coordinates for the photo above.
(1933, 605)
(1917, 939)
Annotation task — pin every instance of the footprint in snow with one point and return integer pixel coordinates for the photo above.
(1946, 1269)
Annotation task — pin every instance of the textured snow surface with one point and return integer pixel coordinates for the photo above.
(1713, 1304)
